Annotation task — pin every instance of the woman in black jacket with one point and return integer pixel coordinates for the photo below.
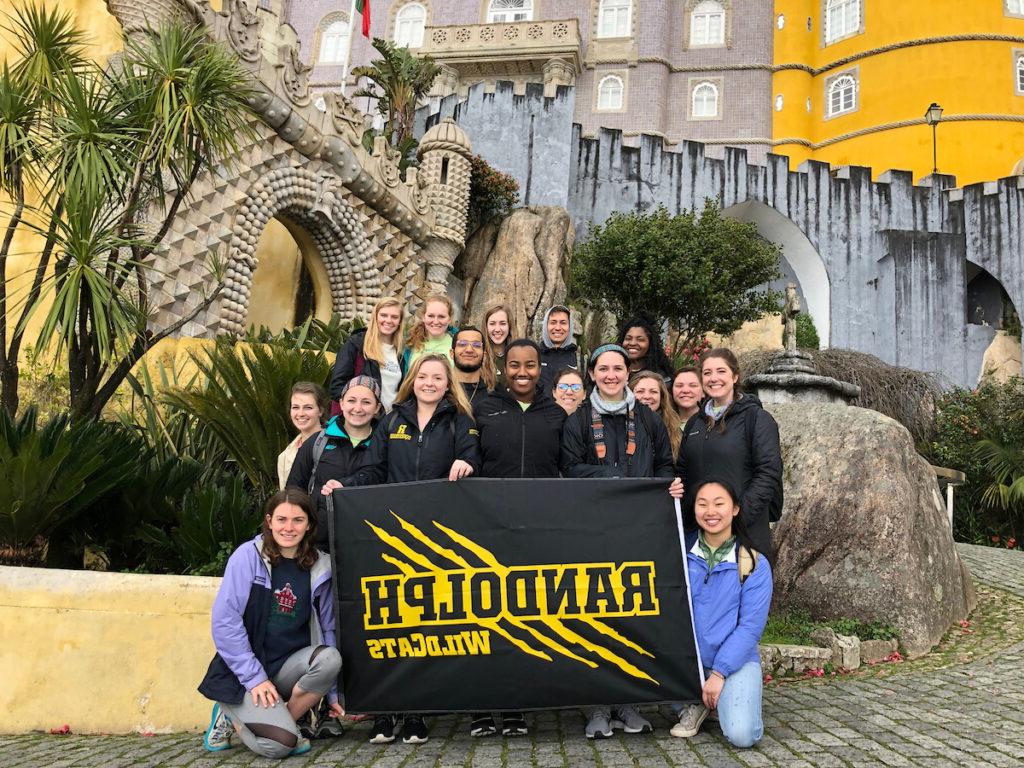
(642, 343)
(427, 436)
(733, 438)
(338, 451)
(613, 435)
(376, 351)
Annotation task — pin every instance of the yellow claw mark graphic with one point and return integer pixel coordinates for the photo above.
(401, 565)
(488, 558)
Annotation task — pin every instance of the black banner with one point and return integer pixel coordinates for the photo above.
(488, 595)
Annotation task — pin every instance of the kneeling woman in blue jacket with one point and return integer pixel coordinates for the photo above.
(273, 628)
(731, 590)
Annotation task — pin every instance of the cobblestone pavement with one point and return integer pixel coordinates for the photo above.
(969, 714)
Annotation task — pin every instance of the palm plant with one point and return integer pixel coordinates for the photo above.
(50, 475)
(1005, 463)
(244, 402)
(102, 150)
(398, 81)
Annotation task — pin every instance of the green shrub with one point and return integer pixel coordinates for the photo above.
(796, 627)
(971, 428)
(491, 193)
(806, 333)
(313, 334)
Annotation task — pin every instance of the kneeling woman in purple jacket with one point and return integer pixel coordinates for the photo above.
(730, 590)
(273, 627)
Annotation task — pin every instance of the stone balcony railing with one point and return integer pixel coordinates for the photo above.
(546, 51)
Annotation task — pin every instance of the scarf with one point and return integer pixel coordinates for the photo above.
(715, 412)
(599, 407)
(717, 555)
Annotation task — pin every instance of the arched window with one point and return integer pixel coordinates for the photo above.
(705, 100)
(1020, 73)
(499, 11)
(409, 24)
(613, 18)
(842, 18)
(707, 24)
(842, 95)
(334, 43)
(609, 92)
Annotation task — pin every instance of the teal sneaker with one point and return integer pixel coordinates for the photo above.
(302, 746)
(218, 736)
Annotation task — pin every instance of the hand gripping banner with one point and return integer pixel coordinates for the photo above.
(486, 595)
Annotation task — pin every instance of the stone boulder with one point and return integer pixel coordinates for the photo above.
(864, 532)
(520, 260)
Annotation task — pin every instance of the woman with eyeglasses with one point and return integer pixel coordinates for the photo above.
(568, 389)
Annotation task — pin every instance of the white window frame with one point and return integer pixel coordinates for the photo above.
(707, 24)
(333, 42)
(842, 19)
(507, 11)
(1014, 8)
(1019, 72)
(702, 114)
(610, 81)
(838, 87)
(615, 18)
(407, 33)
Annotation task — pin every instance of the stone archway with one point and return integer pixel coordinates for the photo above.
(309, 197)
(801, 256)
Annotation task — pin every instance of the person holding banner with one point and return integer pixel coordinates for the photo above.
(614, 435)
(735, 438)
(428, 435)
(520, 436)
(731, 590)
(339, 450)
(273, 628)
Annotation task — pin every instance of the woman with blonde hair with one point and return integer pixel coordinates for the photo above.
(649, 388)
(376, 351)
(499, 329)
(433, 331)
(429, 435)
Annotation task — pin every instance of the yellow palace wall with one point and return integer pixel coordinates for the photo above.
(966, 77)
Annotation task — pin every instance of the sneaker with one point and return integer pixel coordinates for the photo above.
(383, 731)
(599, 723)
(324, 726)
(307, 724)
(218, 735)
(414, 730)
(482, 725)
(629, 720)
(513, 724)
(690, 719)
(302, 746)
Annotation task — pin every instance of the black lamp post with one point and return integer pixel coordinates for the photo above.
(932, 117)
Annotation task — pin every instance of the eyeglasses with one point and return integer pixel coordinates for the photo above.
(570, 387)
(473, 344)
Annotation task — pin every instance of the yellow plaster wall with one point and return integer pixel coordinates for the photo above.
(103, 652)
(276, 279)
(964, 77)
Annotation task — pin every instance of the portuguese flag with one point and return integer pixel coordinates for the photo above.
(363, 6)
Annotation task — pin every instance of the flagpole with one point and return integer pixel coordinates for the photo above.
(348, 48)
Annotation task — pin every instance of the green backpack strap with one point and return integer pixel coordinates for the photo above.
(746, 561)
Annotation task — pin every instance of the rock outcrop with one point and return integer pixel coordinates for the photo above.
(864, 532)
(520, 260)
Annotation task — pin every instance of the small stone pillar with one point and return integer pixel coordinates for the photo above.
(557, 72)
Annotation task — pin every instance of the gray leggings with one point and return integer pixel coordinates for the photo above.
(270, 731)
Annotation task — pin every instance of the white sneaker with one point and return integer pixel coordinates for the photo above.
(690, 718)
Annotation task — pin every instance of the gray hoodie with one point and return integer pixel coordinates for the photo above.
(552, 358)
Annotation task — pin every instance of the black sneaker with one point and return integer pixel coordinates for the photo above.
(329, 728)
(482, 725)
(414, 730)
(513, 724)
(383, 731)
(307, 724)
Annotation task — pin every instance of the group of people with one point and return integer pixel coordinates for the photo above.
(453, 402)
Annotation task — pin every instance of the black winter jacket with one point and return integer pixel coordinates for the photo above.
(518, 443)
(652, 458)
(400, 453)
(746, 454)
(350, 363)
(339, 461)
(554, 359)
(475, 393)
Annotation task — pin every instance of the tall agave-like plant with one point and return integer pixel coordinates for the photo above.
(244, 402)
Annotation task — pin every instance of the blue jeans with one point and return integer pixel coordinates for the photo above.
(739, 708)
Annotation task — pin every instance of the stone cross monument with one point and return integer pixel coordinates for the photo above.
(789, 312)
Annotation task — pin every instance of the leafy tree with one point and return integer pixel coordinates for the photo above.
(398, 80)
(698, 272)
(111, 156)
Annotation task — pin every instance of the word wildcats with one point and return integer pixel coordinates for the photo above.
(542, 610)
(472, 596)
